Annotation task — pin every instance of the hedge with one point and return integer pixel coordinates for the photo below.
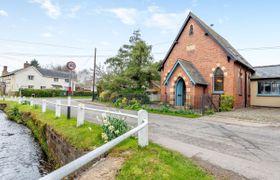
(51, 93)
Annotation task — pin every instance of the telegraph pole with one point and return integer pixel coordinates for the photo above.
(93, 77)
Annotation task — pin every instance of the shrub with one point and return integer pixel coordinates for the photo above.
(113, 127)
(82, 93)
(209, 111)
(134, 104)
(142, 98)
(51, 93)
(43, 92)
(14, 113)
(114, 96)
(104, 96)
(226, 103)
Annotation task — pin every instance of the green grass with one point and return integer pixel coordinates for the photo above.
(85, 137)
(155, 162)
(151, 162)
(180, 113)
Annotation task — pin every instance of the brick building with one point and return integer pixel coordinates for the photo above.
(200, 66)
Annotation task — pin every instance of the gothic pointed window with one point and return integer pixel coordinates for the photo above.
(218, 84)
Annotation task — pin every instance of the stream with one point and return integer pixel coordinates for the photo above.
(20, 155)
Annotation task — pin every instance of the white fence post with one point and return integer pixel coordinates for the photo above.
(58, 108)
(19, 100)
(31, 101)
(143, 139)
(80, 115)
(44, 105)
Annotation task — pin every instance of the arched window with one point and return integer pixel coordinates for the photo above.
(191, 30)
(218, 85)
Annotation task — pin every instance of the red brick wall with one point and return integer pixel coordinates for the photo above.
(206, 55)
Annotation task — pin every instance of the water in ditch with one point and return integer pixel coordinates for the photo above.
(20, 155)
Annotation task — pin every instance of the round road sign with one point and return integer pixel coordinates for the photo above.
(71, 65)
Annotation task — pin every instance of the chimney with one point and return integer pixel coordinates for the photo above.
(26, 65)
(5, 70)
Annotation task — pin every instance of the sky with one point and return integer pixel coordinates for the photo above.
(58, 31)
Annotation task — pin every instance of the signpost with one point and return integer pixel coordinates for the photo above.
(71, 66)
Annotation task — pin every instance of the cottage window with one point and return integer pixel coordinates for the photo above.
(43, 87)
(30, 77)
(67, 80)
(55, 79)
(269, 88)
(30, 86)
(218, 84)
(191, 30)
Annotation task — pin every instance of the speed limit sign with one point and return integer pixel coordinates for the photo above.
(71, 65)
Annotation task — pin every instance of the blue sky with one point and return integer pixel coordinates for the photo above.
(30, 28)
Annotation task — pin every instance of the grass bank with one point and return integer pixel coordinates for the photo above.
(151, 162)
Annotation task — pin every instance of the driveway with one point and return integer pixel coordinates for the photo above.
(242, 151)
(259, 115)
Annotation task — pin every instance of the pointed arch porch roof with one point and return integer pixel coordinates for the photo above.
(190, 70)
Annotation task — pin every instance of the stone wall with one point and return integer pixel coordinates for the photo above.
(61, 151)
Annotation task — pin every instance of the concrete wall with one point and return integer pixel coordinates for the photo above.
(269, 101)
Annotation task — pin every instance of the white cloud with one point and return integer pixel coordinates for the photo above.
(166, 21)
(74, 10)
(47, 35)
(126, 15)
(52, 10)
(3, 13)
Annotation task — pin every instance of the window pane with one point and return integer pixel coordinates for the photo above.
(218, 80)
(218, 84)
(267, 88)
(260, 87)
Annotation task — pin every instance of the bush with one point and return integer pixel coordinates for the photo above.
(82, 93)
(134, 104)
(113, 127)
(14, 113)
(104, 96)
(43, 92)
(142, 98)
(51, 93)
(209, 111)
(226, 103)
(114, 96)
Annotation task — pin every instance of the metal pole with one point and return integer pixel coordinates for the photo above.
(93, 77)
(69, 97)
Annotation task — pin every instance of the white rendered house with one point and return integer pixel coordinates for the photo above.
(34, 78)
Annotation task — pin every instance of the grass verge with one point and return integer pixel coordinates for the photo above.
(151, 162)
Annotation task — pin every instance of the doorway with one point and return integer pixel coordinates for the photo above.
(180, 93)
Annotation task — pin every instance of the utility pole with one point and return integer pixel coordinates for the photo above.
(93, 77)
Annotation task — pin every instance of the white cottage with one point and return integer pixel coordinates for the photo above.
(34, 78)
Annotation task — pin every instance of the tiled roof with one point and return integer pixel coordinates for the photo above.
(45, 72)
(190, 70)
(225, 45)
(266, 72)
(54, 73)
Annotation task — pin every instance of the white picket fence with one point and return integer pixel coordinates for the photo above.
(141, 129)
